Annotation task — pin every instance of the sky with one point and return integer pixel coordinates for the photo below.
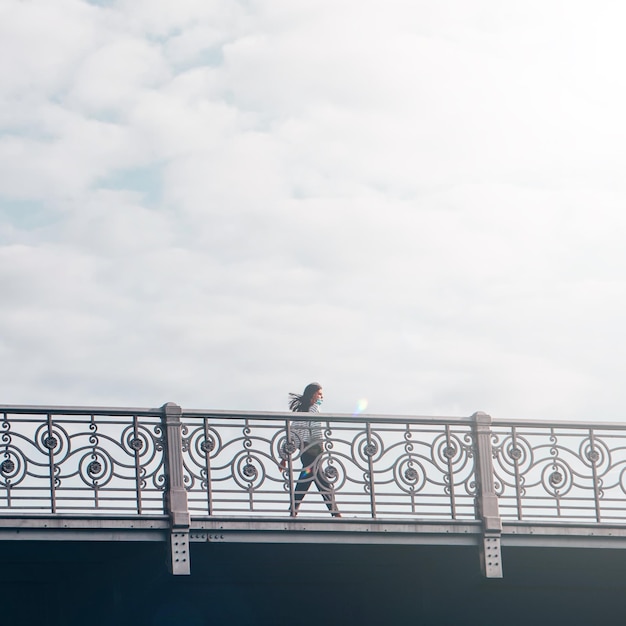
(419, 204)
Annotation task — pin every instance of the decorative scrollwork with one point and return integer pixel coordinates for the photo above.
(331, 473)
(13, 468)
(203, 443)
(248, 471)
(595, 453)
(581, 468)
(515, 453)
(592, 455)
(63, 462)
(208, 445)
(53, 440)
(368, 447)
(285, 448)
(139, 441)
(409, 474)
(95, 468)
(333, 470)
(556, 478)
(622, 481)
(449, 450)
(50, 442)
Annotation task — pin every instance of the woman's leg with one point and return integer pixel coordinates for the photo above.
(326, 489)
(312, 471)
(305, 479)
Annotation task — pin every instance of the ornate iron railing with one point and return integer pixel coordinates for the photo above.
(566, 472)
(378, 467)
(81, 460)
(95, 460)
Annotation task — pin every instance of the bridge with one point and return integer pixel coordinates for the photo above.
(183, 477)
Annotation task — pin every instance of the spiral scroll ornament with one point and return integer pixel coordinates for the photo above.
(516, 454)
(96, 468)
(138, 441)
(556, 478)
(282, 447)
(13, 467)
(248, 471)
(203, 444)
(331, 472)
(368, 447)
(595, 453)
(208, 445)
(334, 471)
(53, 441)
(409, 474)
(290, 447)
(622, 480)
(449, 450)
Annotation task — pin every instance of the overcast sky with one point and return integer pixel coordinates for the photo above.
(214, 202)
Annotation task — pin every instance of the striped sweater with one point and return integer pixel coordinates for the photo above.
(307, 431)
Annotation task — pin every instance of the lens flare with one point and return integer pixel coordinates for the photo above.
(361, 405)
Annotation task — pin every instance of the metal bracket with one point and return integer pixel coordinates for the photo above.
(491, 556)
(179, 553)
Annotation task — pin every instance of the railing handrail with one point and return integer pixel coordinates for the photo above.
(288, 415)
(21, 409)
(225, 414)
(326, 417)
(573, 424)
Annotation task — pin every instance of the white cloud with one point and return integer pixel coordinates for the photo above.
(216, 202)
(111, 78)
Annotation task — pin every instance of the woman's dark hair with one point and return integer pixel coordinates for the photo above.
(302, 403)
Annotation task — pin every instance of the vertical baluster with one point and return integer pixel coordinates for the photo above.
(94, 440)
(7, 465)
(556, 478)
(136, 445)
(248, 468)
(289, 450)
(515, 454)
(370, 450)
(449, 454)
(50, 442)
(408, 449)
(208, 448)
(593, 458)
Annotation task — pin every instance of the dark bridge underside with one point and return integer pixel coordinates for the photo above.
(97, 583)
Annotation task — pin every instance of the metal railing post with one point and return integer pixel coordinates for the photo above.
(486, 498)
(176, 494)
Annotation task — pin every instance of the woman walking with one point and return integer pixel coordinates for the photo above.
(310, 441)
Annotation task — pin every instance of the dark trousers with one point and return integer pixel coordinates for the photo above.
(312, 472)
